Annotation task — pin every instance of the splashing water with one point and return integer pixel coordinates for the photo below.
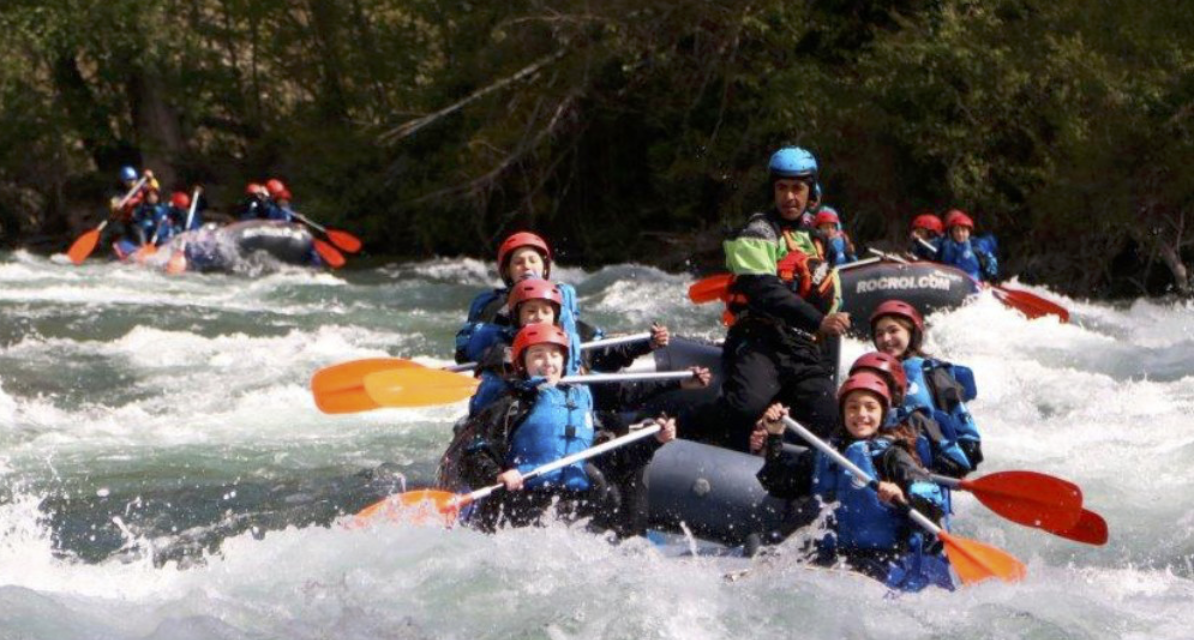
(166, 474)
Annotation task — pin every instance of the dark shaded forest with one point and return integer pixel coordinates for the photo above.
(623, 130)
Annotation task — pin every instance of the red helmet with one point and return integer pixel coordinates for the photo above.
(253, 189)
(283, 195)
(885, 365)
(274, 186)
(534, 289)
(826, 216)
(958, 218)
(901, 309)
(928, 221)
(180, 200)
(865, 381)
(534, 334)
(523, 239)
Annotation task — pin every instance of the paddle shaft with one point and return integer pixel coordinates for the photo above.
(599, 378)
(309, 222)
(926, 245)
(634, 435)
(191, 210)
(916, 516)
(883, 255)
(595, 344)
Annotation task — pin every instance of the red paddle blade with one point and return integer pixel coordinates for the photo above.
(710, 289)
(974, 561)
(83, 246)
(330, 255)
(1090, 529)
(341, 388)
(1029, 498)
(1030, 304)
(424, 506)
(344, 240)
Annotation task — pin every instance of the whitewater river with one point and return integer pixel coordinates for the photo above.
(165, 473)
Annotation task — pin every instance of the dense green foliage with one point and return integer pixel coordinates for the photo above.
(625, 130)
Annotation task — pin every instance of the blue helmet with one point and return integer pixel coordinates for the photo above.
(793, 162)
(128, 174)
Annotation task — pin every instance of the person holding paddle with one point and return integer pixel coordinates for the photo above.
(926, 233)
(782, 310)
(868, 533)
(938, 388)
(537, 421)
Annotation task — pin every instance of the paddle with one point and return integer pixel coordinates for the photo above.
(1091, 528)
(427, 387)
(341, 388)
(330, 255)
(973, 561)
(85, 244)
(1026, 302)
(716, 287)
(341, 239)
(448, 504)
(178, 260)
(1025, 497)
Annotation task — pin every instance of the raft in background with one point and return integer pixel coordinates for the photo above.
(928, 286)
(241, 247)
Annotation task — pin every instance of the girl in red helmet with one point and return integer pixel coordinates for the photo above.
(959, 250)
(537, 421)
(926, 233)
(935, 388)
(868, 532)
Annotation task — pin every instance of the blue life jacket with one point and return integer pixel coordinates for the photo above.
(954, 418)
(970, 257)
(492, 386)
(862, 521)
(560, 423)
(275, 212)
(485, 317)
(838, 251)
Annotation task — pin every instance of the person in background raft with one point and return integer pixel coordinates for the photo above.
(537, 422)
(937, 388)
(782, 305)
(867, 532)
(256, 205)
(121, 227)
(839, 249)
(975, 256)
(276, 189)
(925, 236)
(148, 218)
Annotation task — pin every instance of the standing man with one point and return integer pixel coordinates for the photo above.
(783, 303)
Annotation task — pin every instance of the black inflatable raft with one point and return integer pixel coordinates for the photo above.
(928, 286)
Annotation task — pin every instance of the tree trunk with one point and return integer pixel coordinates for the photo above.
(158, 132)
(325, 18)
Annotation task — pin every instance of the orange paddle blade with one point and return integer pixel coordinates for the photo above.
(177, 263)
(344, 240)
(418, 387)
(710, 289)
(974, 561)
(330, 255)
(424, 506)
(1029, 498)
(1030, 304)
(83, 246)
(1091, 528)
(341, 388)
(143, 253)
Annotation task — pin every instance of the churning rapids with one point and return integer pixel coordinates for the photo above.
(166, 474)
